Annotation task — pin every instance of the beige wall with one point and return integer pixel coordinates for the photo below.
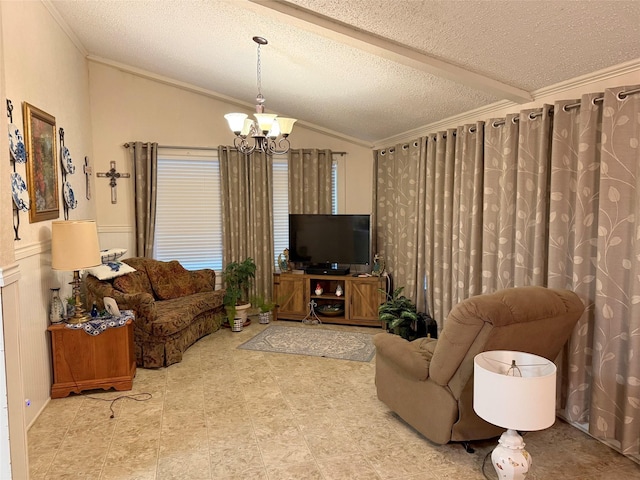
(44, 68)
(128, 107)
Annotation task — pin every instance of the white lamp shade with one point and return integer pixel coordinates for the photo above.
(525, 403)
(246, 127)
(74, 245)
(286, 125)
(265, 120)
(235, 121)
(275, 129)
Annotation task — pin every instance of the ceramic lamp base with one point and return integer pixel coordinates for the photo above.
(510, 460)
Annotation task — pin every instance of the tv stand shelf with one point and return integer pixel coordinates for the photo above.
(361, 297)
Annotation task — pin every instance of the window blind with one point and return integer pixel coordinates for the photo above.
(189, 208)
(280, 205)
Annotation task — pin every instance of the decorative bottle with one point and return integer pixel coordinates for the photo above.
(56, 309)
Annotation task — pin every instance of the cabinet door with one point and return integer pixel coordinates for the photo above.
(291, 295)
(366, 297)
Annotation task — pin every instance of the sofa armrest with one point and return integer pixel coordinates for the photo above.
(412, 358)
(143, 304)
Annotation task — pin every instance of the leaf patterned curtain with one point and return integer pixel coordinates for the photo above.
(560, 199)
(573, 228)
(247, 215)
(451, 218)
(594, 250)
(500, 178)
(310, 181)
(399, 179)
(145, 174)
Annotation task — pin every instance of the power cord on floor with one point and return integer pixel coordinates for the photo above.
(133, 396)
(147, 396)
(484, 462)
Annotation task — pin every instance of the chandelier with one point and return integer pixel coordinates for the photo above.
(268, 131)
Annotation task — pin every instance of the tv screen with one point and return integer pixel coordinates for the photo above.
(329, 239)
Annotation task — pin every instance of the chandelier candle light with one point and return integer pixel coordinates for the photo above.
(269, 132)
(74, 246)
(516, 391)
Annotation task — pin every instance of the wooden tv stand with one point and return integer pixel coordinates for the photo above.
(361, 298)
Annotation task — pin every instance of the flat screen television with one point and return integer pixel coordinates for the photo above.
(329, 241)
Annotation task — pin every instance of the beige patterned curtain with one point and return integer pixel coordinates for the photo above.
(573, 224)
(145, 174)
(453, 217)
(516, 200)
(399, 179)
(466, 226)
(595, 200)
(561, 195)
(310, 181)
(500, 178)
(247, 215)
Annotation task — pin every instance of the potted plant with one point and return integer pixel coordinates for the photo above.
(400, 315)
(265, 306)
(237, 278)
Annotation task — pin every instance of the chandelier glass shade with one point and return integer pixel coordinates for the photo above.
(268, 133)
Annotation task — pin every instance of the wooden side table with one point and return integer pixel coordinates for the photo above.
(86, 362)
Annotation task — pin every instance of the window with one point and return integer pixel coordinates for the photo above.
(189, 208)
(280, 205)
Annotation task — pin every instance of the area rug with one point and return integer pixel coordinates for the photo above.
(313, 341)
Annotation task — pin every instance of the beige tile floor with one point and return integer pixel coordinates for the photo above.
(224, 413)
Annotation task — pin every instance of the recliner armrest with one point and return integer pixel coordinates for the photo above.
(412, 358)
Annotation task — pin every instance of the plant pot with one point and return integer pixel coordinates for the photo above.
(265, 317)
(242, 311)
(238, 323)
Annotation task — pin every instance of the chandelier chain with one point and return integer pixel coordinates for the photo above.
(259, 74)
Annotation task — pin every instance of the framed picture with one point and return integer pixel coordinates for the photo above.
(42, 164)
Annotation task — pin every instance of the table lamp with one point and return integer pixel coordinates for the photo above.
(74, 246)
(516, 391)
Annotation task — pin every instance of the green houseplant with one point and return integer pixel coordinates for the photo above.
(238, 278)
(400, 315)
(265, 306)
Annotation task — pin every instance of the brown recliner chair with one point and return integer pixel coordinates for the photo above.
(429, 383)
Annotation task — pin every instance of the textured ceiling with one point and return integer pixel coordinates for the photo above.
(366, 69)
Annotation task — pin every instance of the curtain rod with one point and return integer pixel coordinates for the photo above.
(187, 147)
(621, 96)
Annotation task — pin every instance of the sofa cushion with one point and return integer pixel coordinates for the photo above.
(134, 282)
(170, 280)
(110, 270)
(178, 313)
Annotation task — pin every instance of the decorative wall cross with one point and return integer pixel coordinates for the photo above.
(113, 175)
(87, 173)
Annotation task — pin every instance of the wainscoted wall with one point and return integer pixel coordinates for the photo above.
(35, 351)
(14, 461)
(117, 236)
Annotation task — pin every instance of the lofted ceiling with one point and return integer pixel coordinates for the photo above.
(365, 69)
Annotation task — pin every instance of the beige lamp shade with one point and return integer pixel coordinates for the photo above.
(524, 399)
(74, 245)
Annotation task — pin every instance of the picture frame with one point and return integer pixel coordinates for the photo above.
(42, 164)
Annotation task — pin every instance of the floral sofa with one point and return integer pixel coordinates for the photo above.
(173, 307)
